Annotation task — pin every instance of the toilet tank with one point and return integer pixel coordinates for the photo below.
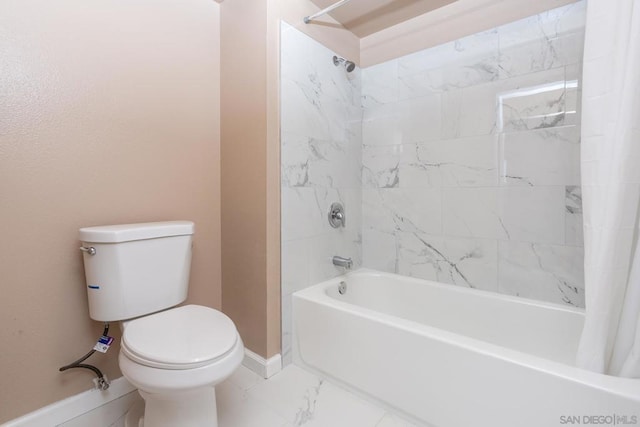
(136, 269)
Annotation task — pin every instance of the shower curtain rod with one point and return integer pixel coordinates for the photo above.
(310, 18)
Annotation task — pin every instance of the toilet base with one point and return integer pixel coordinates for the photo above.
(135, 415)
(193, 408)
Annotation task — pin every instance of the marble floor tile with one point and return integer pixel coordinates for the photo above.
(303, 399)
(390, 420)
(237, 409)
(245, 378)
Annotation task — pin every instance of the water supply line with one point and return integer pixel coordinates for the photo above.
(102, 383)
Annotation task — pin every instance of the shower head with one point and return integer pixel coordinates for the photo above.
(350, 66)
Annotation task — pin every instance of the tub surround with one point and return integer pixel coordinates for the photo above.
(471, 156)
(458, 163)
(321, 160)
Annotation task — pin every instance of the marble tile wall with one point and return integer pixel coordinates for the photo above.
(470, 160)
(321, 161)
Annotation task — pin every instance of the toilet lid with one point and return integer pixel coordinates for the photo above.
(181, 338)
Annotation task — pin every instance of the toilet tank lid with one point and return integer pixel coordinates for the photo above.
(129, 232)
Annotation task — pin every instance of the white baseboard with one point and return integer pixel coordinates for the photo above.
(72, 407)
(264, 367)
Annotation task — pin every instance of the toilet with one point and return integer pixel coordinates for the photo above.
(137, 274)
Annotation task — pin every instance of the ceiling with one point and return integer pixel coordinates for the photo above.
(364, 17)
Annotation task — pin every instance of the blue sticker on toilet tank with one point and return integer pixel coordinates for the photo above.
(93, 286)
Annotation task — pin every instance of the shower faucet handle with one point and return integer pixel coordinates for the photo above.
(337, 216)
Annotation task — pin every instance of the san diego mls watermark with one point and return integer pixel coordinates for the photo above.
(601, 420)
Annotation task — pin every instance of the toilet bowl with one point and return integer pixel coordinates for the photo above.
(138, 274)
(175, 358)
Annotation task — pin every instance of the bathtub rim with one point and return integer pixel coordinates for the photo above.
(628, 388)
(455, 289)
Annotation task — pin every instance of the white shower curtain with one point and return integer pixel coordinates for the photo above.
(611, 188)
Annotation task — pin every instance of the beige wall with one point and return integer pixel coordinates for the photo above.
(250, 147)
(243, 148)
(109, 113)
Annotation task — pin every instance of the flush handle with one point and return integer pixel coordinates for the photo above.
(90, 250)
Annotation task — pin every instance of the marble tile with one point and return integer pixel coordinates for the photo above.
(381, 166)
(567, 18)
(518, 56)
(306, 400)
(301, 214)
(381, 127)
(295, 259)
(286, 328)
(307, 112)
(245, 378)
(574, 234)
(465, 62)
(321, 158)
(379, 111)
(380, 84)
(470, 111)
(541, 157)
(309, 63)
(335, 165)
(533, 101)
(295, 157)
(573, 97)
(390, 420)
(462, 53)
(533, 214)
(464, 262)
(468, 143)
(465, 162)
(420, 119)
(310, 162)
(472, 212)
(547, 40)
(237, 409)
(546, 272)
(305, 210)
(402, 209)
(449, 77)
(378, 250)
(307, 259)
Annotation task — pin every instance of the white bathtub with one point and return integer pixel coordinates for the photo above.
(448, 356)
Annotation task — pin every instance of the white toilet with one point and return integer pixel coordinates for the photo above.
(174, 356)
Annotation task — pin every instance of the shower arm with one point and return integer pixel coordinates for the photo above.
(308, 19)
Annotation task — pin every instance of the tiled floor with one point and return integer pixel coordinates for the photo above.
(295, 397)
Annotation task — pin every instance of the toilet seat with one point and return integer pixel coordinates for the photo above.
(186, 337)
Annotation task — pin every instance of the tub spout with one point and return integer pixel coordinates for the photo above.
(342, 262)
